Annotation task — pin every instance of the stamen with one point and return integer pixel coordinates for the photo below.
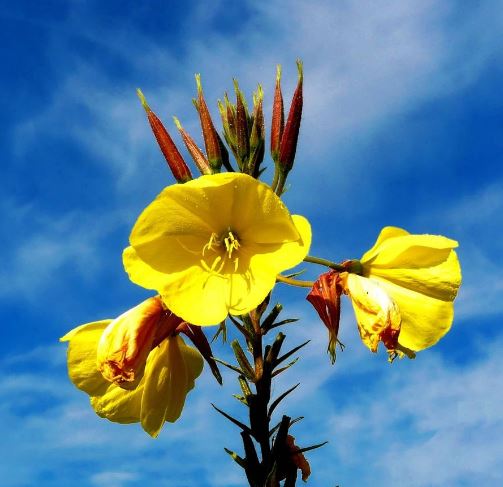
(231, 243)
(213, 241)
(216, 244)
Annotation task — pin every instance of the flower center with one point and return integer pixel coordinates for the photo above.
(225, 246)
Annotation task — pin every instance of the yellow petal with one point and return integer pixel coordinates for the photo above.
(377, 315)
(409, 251)
(386, 233)
(277, 258)
(82, 368)
(441, 280)
(177, 246)
(425, 319)
(201, 298)
(237, 292)
(170, 373)
(119, 405)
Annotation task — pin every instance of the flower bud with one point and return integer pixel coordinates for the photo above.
(228, 116)
(126, 342)
(175, 161)
(278, 118)
(242, 131)
(257, 134)
(196, 153)
(212, 143)
(290, 135)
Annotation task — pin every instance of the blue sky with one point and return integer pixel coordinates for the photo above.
(402, 126)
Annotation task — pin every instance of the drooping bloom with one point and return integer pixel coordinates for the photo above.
(214, 246)
(406, 290)
(133, 368)
(402, 291)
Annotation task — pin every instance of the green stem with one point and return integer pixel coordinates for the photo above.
(294, 282)
(281, 183)
(325, 262)
(275, 180)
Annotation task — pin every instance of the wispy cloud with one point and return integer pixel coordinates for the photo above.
(408, 423)
(360, 70)
(36, 253)
(112, 479)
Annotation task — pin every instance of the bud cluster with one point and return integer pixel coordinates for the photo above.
(243, 132)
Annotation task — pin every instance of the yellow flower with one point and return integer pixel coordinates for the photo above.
(406, 290)
(214, 246)
(133, 368)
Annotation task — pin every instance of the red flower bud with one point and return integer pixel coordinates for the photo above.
(278, 118)
(175, 161)
(212, 141)
(290, 135)
(242, 135)
(196, 153)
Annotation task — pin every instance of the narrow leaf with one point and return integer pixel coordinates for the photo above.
(319, 445)
(277, 372)
(290, 353)
(276, 402)
(238, 423)
(240, 461)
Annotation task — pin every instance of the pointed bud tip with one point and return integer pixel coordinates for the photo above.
(278, 73)
(198, 83)
(259, 93)
(300, 68)
(177, 123)
(143, 100)
(236, 88)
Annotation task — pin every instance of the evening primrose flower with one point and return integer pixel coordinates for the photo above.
(214, 246)
(133, 368)
(405, 291)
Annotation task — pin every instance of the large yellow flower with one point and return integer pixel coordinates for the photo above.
(133, 368)
(214, 246)
(405, 291)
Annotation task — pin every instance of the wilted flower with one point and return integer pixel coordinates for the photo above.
(377, 315)
(133, 368)
(325, 296)
(214, 246)
(298, 458)
(421, 274)
(402, 291)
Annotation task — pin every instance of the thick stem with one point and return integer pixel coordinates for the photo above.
(259, 419)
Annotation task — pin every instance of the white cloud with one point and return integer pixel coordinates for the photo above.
(41, 247)
(422, 422)
(112, 479)
(365, 62)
